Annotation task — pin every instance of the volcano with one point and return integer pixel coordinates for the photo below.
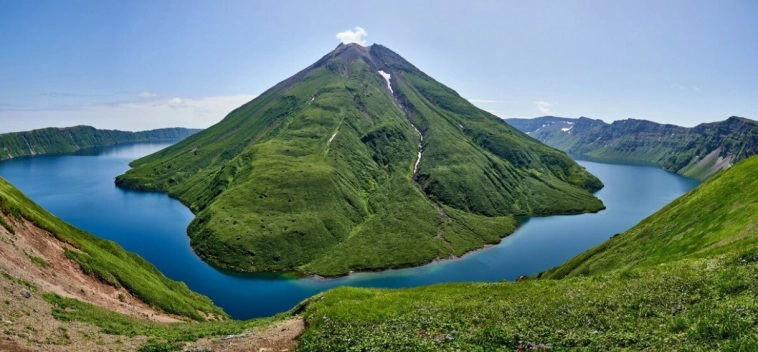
(359, 162)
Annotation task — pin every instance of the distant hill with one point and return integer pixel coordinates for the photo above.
(359, 162)
(697, 152)
(70, 139)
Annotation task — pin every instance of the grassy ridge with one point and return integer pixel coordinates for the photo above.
(109, 262)
(697, 152)
(71, 139)
(493, 169)
(716, 217)
(317, 173)
(685, 278)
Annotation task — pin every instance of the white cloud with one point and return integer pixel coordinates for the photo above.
(485, 101)
(175, 102)
(354, 36)
(129, 116)
(543, 106)
(677, 86)
(146, 94)
(697, 89)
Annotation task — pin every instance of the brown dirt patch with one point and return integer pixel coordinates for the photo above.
(278, 337)
(62, 275)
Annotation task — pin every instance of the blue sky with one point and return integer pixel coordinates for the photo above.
(138, 65)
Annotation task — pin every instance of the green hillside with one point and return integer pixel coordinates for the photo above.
(694, 290)
(106, 260)
(684, 279)
(321, 173)
(697, 152)
(717, 217)
(71, 139)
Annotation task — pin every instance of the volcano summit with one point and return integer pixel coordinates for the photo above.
(359, 162)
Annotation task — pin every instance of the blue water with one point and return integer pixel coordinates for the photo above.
(80, 189)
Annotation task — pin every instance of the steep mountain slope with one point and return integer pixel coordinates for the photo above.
(683, 279)
(40, 248)
(359, 162)
(66, 290)
(719, 216)
(70, 139)
(697, 152)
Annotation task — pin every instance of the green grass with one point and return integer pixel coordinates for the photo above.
(36, 260)
(19, 281)
(70, 139)
(107, 261)
(684, 279)
(719, 216)
(271, 193)
(692, 305)
(159, 334)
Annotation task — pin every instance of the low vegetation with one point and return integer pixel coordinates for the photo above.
(169, 335)
(690, 305)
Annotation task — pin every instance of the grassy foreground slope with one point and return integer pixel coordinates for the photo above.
(71, 139)
(719, 216)
(685, 279)
(321, 173)
(106, 260)
(697, 152)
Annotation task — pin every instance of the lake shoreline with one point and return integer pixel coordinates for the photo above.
(79, 189)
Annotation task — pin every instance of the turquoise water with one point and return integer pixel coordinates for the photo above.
(79, 189)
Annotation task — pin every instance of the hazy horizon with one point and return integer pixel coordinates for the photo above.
(140, 65)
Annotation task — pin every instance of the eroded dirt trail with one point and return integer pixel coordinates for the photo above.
(279, 337)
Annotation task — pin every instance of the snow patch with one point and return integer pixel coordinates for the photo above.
(386, 78)
(420, 142)
(566, 129)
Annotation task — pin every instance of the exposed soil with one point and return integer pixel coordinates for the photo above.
(62, 275)
(27, 322)
(281, 336)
